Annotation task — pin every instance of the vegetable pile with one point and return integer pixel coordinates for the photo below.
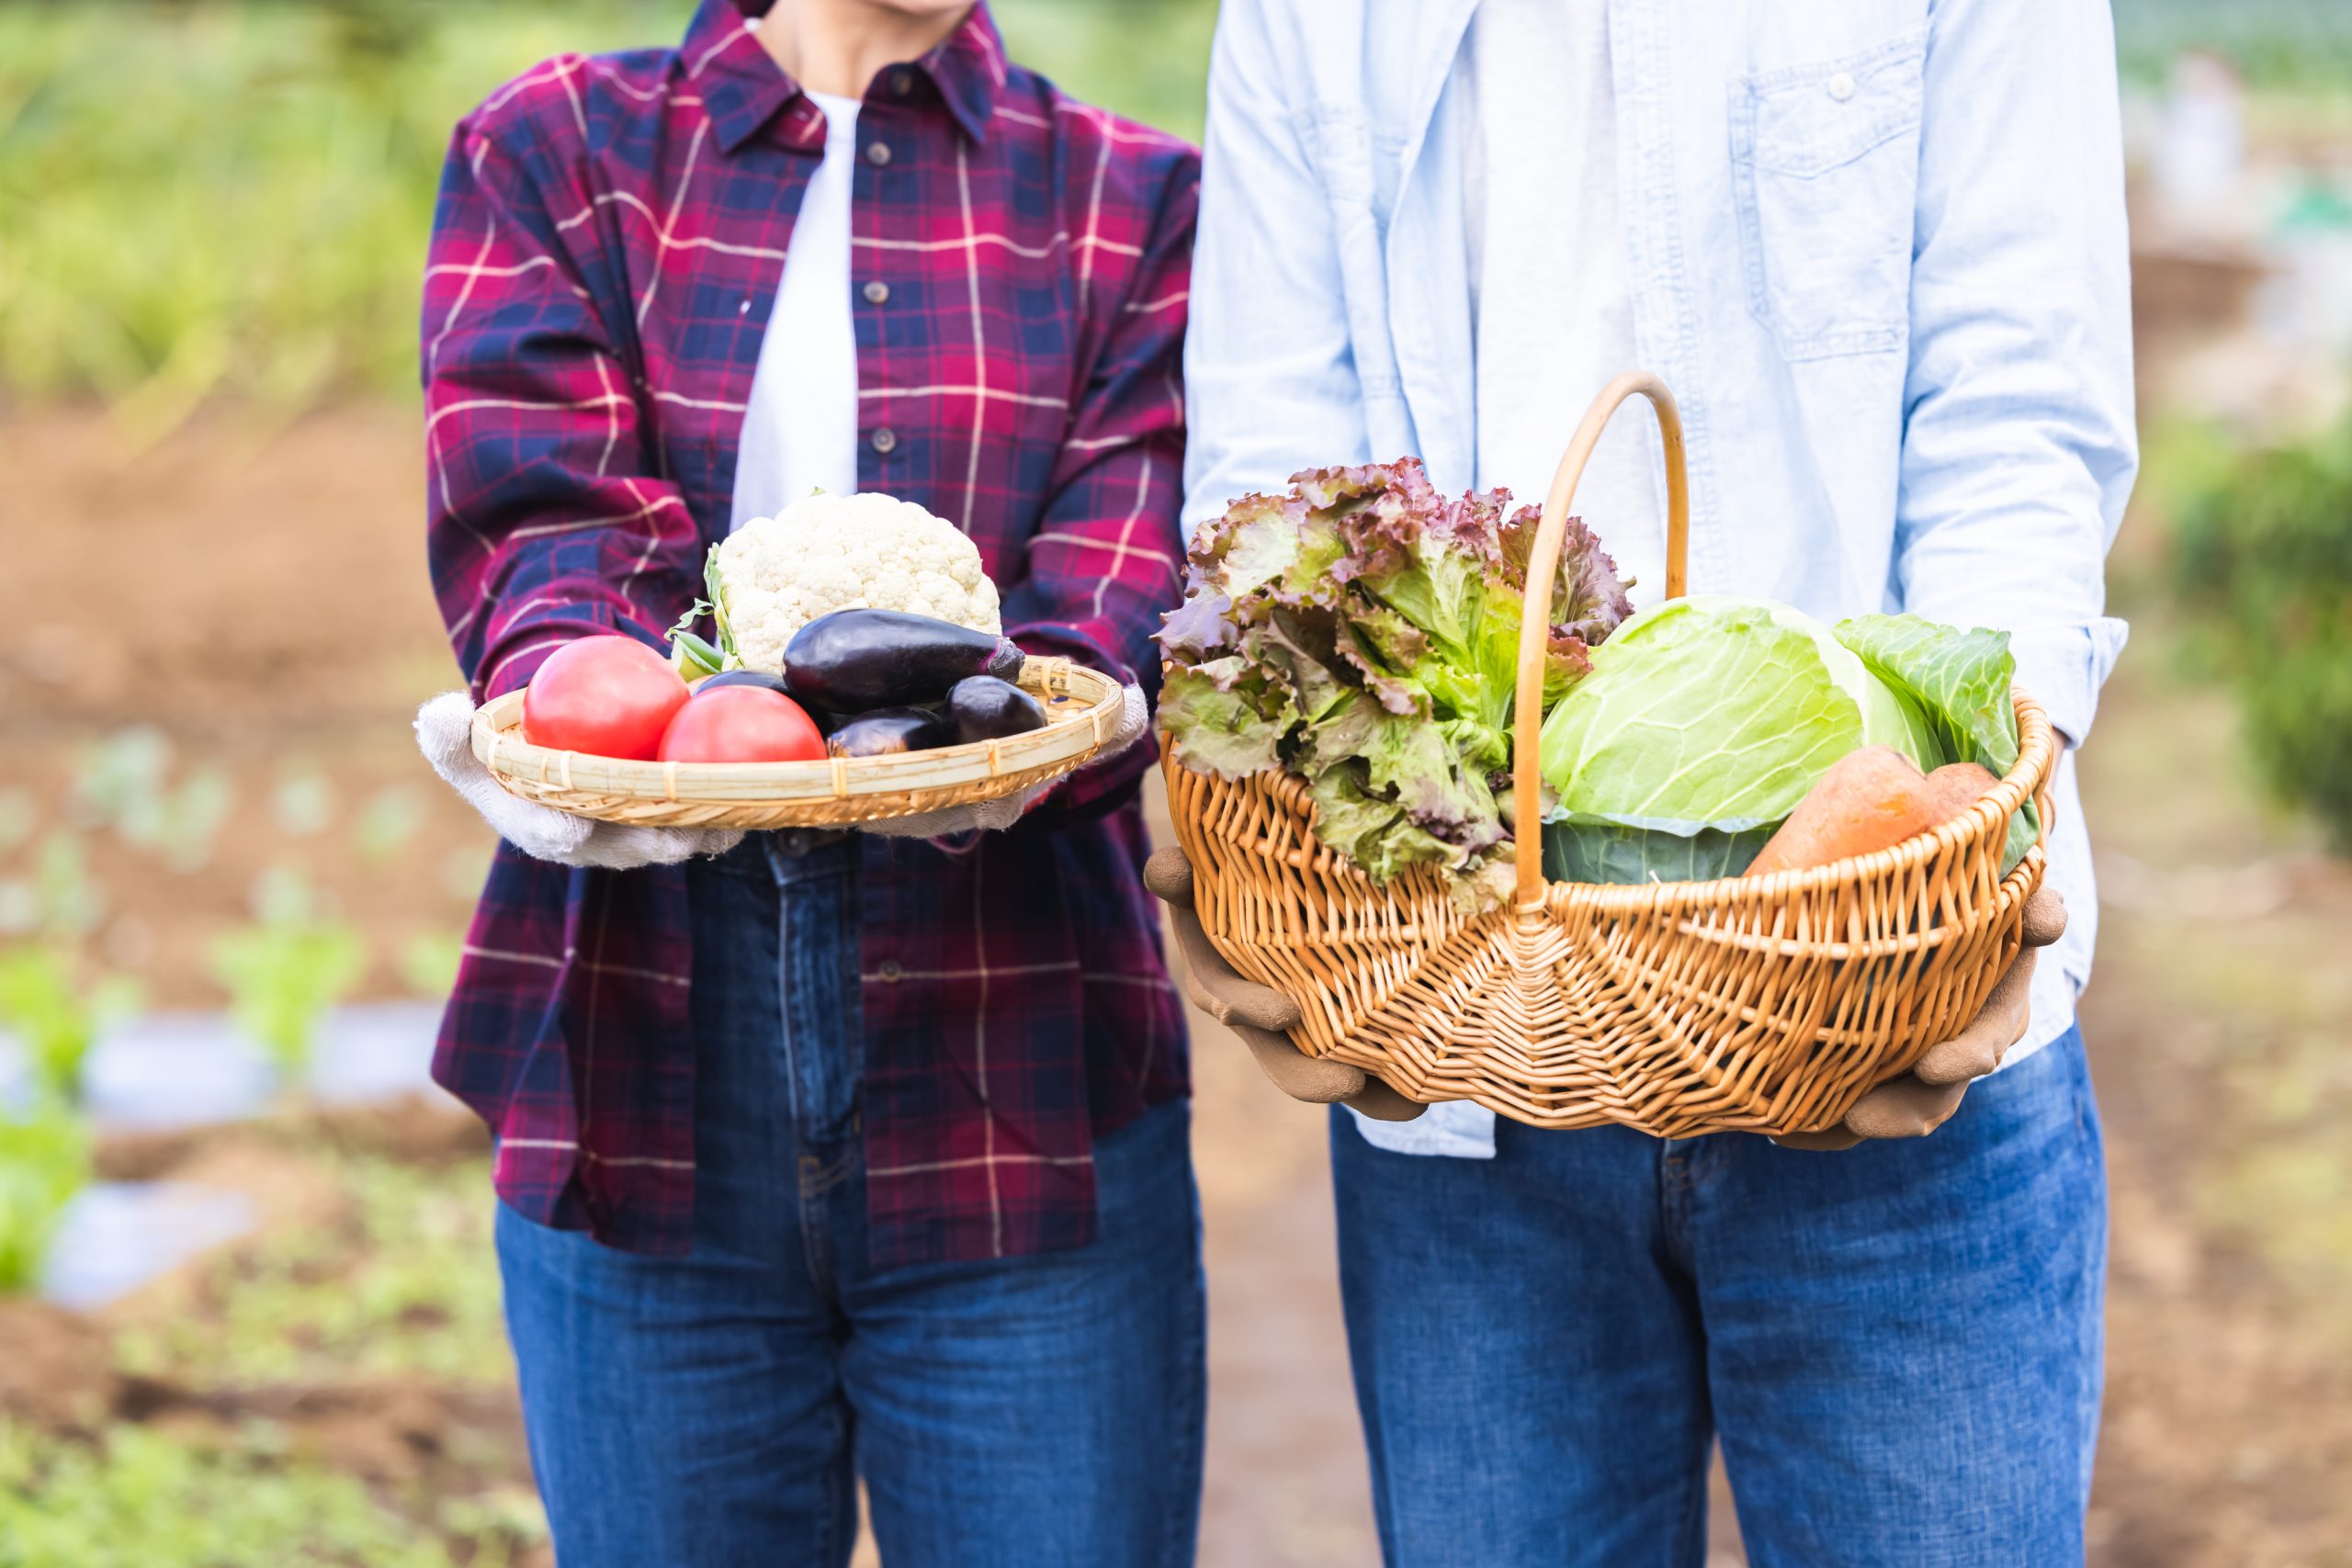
(774, 575)
(790, 678)
(1362, 633)
(1707, 720)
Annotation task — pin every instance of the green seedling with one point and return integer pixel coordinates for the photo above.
(160, 1498)
(303, 805)
(286, 970)
(281, 981)
(69, 902)
(121, 777)
(188, 820)
(125, 787)
(44, 1161)
(397, 1282)
(57, 1017)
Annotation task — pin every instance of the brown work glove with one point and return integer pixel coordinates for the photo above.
(1259, 1014)
(1924, 1099)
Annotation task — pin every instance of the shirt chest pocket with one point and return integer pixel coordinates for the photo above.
(1824, 174)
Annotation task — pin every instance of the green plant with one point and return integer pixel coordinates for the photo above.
(44, 1002)
(399, 1282)
(125, 785)
(255, 232)
(284, 971)
(68, 903)
(182, 824)
(118, 774)
(2296, 44)
(140, 1498)
(302, 804)
(44, 1161)
(2262, 562)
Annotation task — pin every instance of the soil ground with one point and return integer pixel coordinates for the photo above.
(260, 597)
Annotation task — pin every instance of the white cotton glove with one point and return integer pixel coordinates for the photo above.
(995, 816)
(445, 734)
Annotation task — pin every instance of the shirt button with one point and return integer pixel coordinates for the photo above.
(885, 440)
(1841, 86)
(902, 82)
(890, 971)
(877, 153)
(877, 292)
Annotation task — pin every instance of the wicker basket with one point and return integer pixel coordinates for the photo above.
(1082, 710)
(1767, 1004)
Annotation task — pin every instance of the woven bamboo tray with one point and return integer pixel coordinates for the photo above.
(1082, 711)
(1768, 1004)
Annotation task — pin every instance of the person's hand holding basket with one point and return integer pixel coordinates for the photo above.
(1456, 823)
(1909, 1106)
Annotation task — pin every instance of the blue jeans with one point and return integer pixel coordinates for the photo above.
(713, 1411)
(1899, 1345)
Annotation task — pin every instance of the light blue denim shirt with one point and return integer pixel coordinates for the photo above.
(1877, 249)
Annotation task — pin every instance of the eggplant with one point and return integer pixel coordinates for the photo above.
(889, 731)
(857, 660)
(986, 708)
(758, 677)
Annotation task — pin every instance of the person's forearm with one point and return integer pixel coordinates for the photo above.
(2019, 448)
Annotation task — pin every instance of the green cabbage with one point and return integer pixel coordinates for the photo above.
(1705, 720)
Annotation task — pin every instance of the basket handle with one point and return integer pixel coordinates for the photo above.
(1543, 565)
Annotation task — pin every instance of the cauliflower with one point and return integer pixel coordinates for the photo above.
(774, 575)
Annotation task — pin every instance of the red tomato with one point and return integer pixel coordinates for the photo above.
(610, 696)
(742, 723)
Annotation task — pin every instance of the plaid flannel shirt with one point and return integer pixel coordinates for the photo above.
(609, 240)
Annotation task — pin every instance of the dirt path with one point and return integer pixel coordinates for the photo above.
(263, 604)
(2217, 1022)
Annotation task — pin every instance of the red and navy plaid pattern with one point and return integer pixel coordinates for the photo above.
(610, 238)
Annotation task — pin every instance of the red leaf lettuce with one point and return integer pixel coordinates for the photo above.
(1363, 632)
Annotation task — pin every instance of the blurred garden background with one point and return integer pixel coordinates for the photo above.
(248, 1313)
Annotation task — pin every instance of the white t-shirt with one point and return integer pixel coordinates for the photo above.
(1552, 309)
(801, 430)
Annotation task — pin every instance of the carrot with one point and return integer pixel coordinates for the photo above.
(1871, 799)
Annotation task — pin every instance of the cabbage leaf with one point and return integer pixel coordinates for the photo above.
(1961, 680)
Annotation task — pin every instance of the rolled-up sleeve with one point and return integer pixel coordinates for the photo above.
(2020, 450)
(2063, 668)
